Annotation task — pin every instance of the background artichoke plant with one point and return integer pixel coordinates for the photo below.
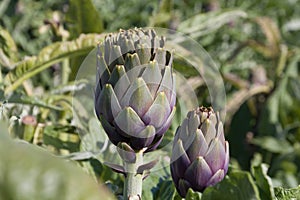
(135, 94)
(200, 153)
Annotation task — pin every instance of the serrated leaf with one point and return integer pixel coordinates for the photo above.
(287, 194)
(8, 49)
(48, 56)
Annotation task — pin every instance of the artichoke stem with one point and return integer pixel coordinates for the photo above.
(133, 180)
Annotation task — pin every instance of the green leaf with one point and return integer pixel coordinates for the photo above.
(3, 6)
(192, 195)
(82, 17)
(203, 24)
(263, 181)
(21, 98)
(282, 104)
(161, 18)
(62, 138)
(29, 173)
(272, 144)
(287, 194)
(96, 139)
(155, 182)
(48, 56)
(8, 49)
(236, 186)
(165, 190)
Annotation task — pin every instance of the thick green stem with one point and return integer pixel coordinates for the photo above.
(133, 180)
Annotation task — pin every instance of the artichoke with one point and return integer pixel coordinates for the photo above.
(135, 92)
(200, 153)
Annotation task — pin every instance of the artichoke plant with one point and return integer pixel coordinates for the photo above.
(135, 95)
(200, 153)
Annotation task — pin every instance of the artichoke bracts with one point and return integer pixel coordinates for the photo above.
(200, 153)
(135, 93)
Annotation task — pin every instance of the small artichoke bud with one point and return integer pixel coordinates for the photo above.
(200, 153)
(135, 93)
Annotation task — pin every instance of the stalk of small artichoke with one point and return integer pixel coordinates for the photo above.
(134, 97)
(200, 153)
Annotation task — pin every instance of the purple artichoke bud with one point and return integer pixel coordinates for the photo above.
(200, 153)
(135, 94)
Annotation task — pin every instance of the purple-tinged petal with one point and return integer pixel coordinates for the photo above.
(184, 134)
(147, 167)
(160, 57)
(116, 74)
(159, 111)
(173, 97)
(152, 77)
(208, 130)
(215, 156)
(220, 131)
(141, 99)
(155, 143)
(132, 61)
(107, 48)
(122, 86)
(226, 157)
(198, 146)
(135, 89)
(198, 173)
(103, 72)
(217, 177)
(155, 44)
(144, 53)
(112, 133)
(115, 57)
(175, 178)
(115, 167)
(204, 148)
(166, 84)
(167, 124)
(193, 122)
(126, 152)
(129, 122)
(144, 138)
(179, 159)
(170, 58)
(132, 66)
(126, 45)
(107, 103)
(173, 92)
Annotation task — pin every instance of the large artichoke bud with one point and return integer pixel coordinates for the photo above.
(200, 153)
(135, 93)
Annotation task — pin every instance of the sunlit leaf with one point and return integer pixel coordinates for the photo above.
(287, 194)
(48, 56)
(205, 23)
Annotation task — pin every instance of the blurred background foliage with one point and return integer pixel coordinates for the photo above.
(255, 45)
